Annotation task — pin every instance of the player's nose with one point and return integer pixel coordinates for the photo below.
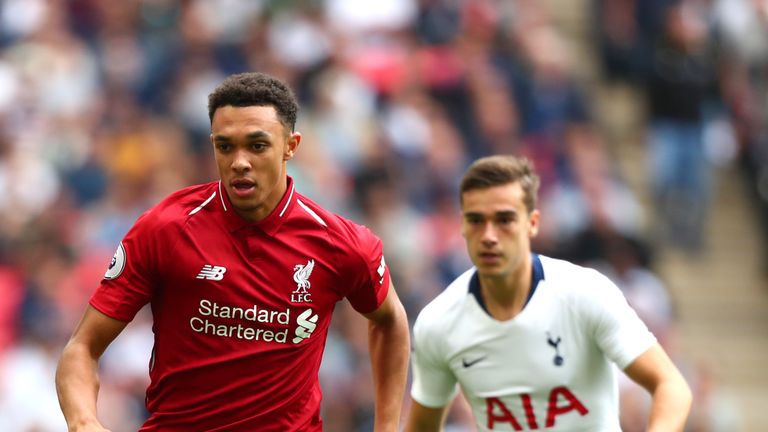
(489, 235)
(240, 162)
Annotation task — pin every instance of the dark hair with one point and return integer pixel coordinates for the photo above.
(255, 89)
(501, 170)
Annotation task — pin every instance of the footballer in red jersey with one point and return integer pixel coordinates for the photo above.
(242, 276)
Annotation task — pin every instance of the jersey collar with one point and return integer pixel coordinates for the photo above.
(269, 224)
(537, 275)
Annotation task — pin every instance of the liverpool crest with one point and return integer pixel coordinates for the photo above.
(301, 277)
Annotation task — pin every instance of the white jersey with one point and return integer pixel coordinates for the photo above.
(550, 368)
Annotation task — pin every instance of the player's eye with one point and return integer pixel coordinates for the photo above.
(257, 146)
(474, 220)
(223, 147)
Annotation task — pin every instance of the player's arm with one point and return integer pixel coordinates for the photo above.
(425, 419)
(671, 395)
(77, 380)
(389, 346)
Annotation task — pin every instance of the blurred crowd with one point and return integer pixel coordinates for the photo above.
(103, 113)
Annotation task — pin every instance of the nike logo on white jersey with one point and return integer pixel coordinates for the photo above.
(472, 362)
(210, 272)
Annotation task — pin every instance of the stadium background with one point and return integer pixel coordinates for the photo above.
(103, 113)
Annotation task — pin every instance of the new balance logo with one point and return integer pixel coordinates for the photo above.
(212, 272)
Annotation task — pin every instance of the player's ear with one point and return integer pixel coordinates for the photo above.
(533, 228)
(292, 144)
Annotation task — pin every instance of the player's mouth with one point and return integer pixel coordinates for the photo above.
(488, 257)
(242, 187)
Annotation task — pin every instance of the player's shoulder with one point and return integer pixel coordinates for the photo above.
(559, 269)
(177, 207)
(570, 278)
(341, 230)
(447, 306)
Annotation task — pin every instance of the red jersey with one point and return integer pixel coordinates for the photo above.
(241, 310)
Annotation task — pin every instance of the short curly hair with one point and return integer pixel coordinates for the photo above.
(255, 89)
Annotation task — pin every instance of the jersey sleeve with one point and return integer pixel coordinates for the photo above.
(434, 384)
(369, 275)
(129, 280)
(618, 330)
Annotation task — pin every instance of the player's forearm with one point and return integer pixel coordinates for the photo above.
(389, 345)
(77, 385)
(424, 419)
(670, 407)
(419, 425)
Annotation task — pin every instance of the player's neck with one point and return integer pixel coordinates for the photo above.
(505, 295)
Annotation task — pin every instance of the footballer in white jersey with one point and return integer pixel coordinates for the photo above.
(549, 368)
(534, 342)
